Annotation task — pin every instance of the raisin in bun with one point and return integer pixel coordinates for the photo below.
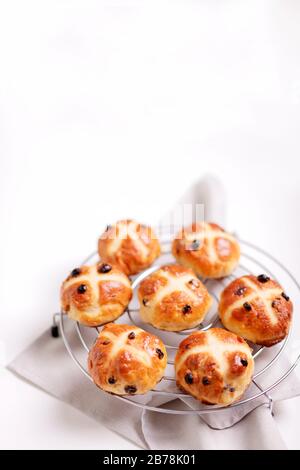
(94, 295)
(129, 245)
(173, 298)
(207, 249)
(214, 366)
(257, 309)
(126, 360)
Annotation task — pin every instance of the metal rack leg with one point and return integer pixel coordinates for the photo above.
(267, 395)
(54, 328)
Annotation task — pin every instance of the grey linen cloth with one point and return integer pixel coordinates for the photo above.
(250, 426)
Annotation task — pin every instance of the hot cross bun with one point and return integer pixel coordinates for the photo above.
(173, 299)
(94, 295)
(126, 360)
(257, 309)
(214, 366)
(207, 249)
(129, 245)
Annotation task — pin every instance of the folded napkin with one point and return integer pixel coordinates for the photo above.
(250, 426)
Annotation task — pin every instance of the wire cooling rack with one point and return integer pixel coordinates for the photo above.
(79, 339)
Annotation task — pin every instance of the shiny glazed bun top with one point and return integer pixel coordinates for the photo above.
(173, 298)
(207, 249)
(126, 360)
(94, 295)
(257, 309)
(214, 366)
(129, 245)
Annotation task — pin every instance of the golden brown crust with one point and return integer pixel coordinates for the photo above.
(126, 360)
(129, 245)
(207, 249)
(173, 299)
(94, 295)
(256, 310)
(214, 366)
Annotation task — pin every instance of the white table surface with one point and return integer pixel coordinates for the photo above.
(111, 109)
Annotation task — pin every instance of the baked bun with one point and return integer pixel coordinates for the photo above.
(257, 309)
(173, 299)
(126, 360)
(214, 366)
(94, 295)
(207, 249)
(129, 245)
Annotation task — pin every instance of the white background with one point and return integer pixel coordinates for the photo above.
(112, 108)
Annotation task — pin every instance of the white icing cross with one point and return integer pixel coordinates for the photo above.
(216, 348)
(176, 284)
(93, 278)
(127, 231)
(209, 235)
(119, 342)
(265, 296)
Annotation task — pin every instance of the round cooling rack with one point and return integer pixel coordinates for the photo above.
(78, 339)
